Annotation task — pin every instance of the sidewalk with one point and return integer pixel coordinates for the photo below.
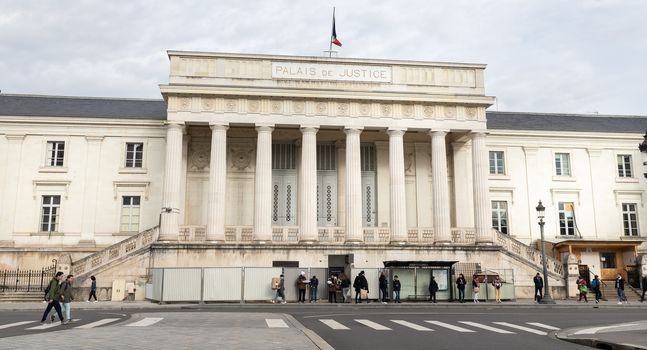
(623, 336)
(520, 303)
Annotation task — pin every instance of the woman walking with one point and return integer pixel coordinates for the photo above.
(93, 290)
(475, 288)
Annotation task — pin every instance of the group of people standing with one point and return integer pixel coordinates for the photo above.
(59, 296)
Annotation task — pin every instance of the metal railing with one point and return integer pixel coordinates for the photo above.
(528, 254)
(26, 280)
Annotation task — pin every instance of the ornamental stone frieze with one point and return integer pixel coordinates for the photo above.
(326, 108)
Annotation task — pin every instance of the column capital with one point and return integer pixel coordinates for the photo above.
(478, 133)
(264, 128)
(309, 129)
(396, 131)
(438, 132)
(218, 126)
(353, 130)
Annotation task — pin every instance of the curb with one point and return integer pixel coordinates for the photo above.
(314, 337)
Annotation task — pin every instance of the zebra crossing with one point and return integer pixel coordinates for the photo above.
(77, 324)
(499, 327)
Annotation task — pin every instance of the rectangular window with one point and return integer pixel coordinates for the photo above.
(630, 219)
(284, 156)
(326, 157)
(49, 213)
(500, 216)
(624, 165)
(608, 260)
(566, 219)
(562, 164)
(497, 163)
(134, 154)
(130, 214)
(367, 157)
(55, 153)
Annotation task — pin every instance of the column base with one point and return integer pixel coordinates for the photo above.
(354, 241)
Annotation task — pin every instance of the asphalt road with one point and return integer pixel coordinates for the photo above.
(389, 327)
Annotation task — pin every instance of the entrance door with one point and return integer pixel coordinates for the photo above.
(284, 197)
(369, 191)
(326, 185)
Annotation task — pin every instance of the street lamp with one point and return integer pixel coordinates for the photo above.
(541, 210)
(643, 152)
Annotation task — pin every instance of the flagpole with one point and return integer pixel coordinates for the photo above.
(331, 32)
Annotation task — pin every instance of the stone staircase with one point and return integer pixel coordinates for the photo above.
(528, 255)
(609, 292)
(7, 297)
(111, 255)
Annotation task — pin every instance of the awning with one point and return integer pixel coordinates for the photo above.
(616, 243)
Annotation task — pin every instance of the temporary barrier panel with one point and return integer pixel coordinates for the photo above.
(182, 284)
(222, 284)
(258, 283)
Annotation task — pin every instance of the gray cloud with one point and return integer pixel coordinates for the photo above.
(553, 56)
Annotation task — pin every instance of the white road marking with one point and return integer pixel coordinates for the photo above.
(542, 325)
(596, 329)
(145, 322)
(486, 327)
(276, 323)
(450, 326)
(15, 324)
(98, 323)
(523, 328)
(412, 325)
(333, 324)
(49, 325)
(373, 325)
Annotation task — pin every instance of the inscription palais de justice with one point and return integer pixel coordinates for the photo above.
(331, 72)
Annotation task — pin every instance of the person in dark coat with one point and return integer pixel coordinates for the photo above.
(396, 288)
(314, 285)
(332, 288)
(620, 289)
(53, 298)
(302, 283)
(539, 287)
(595, 285)
(93, 289)
(460, 284)
(433, 288)
(383, 287)
(359, 284)
(644, 288)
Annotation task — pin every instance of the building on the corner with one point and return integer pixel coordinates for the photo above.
(265, 160)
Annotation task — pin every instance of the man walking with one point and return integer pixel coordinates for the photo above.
(280, 291)
(595, 285)
(539, 287)
(620, 289)
(52, 298)
(66, 297)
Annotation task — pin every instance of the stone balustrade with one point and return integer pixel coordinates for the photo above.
(529, 254)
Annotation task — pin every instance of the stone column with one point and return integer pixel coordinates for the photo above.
(217, 183)
(308, 191)
(353, 186)
(263, 185)
(398, 197)
(440, 190)
(172, 182)
(482, 205)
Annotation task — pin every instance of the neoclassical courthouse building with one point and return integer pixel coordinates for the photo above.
(267, 160)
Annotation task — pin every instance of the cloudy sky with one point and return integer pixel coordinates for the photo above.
(576, 56)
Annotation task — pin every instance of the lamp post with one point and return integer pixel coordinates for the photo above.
(540, 215)
(643, 152)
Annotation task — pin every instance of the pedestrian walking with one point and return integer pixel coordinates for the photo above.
(360, 284)
(539, 287)
(302, 283)
(345, 287)
(332, 288)
(595, 285)
(396, 288)
(280, 291)
(497, 284)
(383, 283)
(582, 287)
(644, 288)
(52, 297)
(433, 288)
(314, 285)
(93, 290)
(476, 286)
(66, 297)
(460, 284)
(620, 289)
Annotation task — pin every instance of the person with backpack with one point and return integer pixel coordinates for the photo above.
(93, 290)
(302, 283)
(383, 287)
(497, 283)
(396, 288)
(460, 284)
(314, 285)
(360, 284)
(595, 285)
(620, 289)
(581, 286)
(52, 297)
(476, 286)
(539, 287)
(66, 297)
(433, 288)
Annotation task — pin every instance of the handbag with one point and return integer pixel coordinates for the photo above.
(476, 289)
(363, 293)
